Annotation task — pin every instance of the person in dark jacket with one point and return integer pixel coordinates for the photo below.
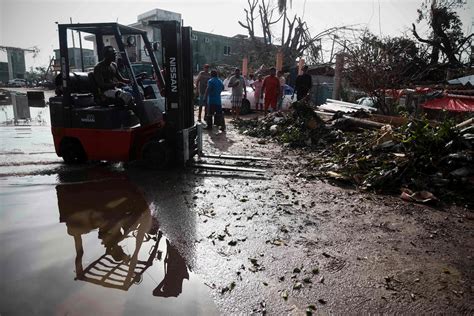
(303, 85)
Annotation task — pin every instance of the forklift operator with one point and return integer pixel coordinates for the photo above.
(108, 79)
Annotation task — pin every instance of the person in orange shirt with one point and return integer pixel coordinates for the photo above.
(272, 90)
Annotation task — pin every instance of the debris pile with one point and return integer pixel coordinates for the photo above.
(420, 158)
(300, 127)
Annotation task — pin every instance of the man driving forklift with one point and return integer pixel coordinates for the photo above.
(110, 83)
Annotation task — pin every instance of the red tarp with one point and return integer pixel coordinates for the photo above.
(450, 104)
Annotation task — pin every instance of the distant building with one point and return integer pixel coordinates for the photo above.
(88, 57)
(4, 72)
(16, 63)
(207, 48)
(215, 49)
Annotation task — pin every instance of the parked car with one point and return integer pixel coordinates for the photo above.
(249, 104)
(45, 84)
(17, 83)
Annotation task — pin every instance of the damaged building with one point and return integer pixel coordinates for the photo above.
(208, 48)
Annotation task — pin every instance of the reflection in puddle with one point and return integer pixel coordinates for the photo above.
(89, 245)
(130, 236)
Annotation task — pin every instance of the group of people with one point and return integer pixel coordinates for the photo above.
(270, 90)
(209, 87)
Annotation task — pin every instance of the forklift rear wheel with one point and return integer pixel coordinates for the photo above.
(245, 109)
(157, 154)
(72, 151)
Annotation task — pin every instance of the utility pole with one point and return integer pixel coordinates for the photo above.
(321, 50)
(336, 92)
(332, 48)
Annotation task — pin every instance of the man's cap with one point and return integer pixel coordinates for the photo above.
(206, 65)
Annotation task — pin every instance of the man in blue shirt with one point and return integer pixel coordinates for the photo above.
(214, 104)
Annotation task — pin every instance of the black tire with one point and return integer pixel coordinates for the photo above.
(72, 151)
(245, 108)
(157, 154)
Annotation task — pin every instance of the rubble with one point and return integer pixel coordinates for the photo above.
(419, 156)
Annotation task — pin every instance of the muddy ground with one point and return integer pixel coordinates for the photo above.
(306, 242)
(274, 243)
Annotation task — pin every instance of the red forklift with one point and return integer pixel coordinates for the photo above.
(158, 129)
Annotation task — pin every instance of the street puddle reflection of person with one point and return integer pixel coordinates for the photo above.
(115, 210)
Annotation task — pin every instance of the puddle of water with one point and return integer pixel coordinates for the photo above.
(27, 151)
(90, 247)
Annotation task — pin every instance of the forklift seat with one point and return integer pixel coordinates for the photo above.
(94, 89)
(93, 84)
(80, 82)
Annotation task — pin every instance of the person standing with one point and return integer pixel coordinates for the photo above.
(239, 91)
(257, 86)
(303, 85)
(271, 89)
(281, 77)
(213, 97)
(201, 85)
(250, 80)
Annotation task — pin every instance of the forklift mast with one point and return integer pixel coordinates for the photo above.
(178, 76)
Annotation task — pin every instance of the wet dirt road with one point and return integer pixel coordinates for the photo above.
(103, 239)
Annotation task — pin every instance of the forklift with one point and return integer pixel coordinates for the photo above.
(158, 129)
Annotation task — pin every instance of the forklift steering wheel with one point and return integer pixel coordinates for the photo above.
(142, 75)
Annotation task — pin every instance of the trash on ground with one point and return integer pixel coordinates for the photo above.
(414, 153)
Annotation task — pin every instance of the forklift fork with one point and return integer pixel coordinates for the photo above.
(202, 164)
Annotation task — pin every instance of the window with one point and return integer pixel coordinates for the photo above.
(206, 40)
(194, 37)
(227, 50)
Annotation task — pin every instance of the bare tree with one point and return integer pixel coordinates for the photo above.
(374, 64)
(250, 18)
(296, 39)
(446, 35)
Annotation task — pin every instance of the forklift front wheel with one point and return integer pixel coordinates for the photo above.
(157, 154)
(72, 151)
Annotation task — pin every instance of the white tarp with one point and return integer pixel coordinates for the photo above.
(345, 107)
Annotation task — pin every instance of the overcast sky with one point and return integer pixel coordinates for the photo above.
(27, 23)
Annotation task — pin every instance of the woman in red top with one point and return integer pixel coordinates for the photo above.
(271, 88)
